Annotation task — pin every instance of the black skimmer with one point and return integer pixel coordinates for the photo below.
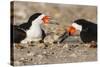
(31, 30)
(88, 31)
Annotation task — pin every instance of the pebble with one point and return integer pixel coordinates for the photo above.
(30, 54)
(87, 45)
(44, 52)
(73, 55)
(21, 59)
(41, 45)
(66, 46)
(40, 56)
(17, 63)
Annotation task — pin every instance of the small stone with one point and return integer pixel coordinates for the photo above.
(30, 54)
(21, 59)
(18, 46)
(31, 59)
(87, 45)
(40, 56)
(28, 51)
(53, 53)
(55, 42)
(65, 46)
(73, 55)
(41, 45)
(70, 49)
(17, 63)
(44, 52)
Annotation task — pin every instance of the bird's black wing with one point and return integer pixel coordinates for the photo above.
(25, 26)
(90, 34)
(93, 29)
(17, 34)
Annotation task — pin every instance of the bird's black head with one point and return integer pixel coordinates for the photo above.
(37, 18)
(40, 18)
(34, 16)
(79, 24)
(84, 23)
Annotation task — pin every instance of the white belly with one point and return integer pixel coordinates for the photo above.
(33, 34)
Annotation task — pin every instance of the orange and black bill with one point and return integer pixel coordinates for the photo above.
(71, 30)
(46, 19)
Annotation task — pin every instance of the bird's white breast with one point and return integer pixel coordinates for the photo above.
(34, 32)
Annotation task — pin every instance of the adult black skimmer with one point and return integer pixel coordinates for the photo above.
(88, 31)
(31, 30)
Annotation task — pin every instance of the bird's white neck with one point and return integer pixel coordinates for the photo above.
(36, 25)
(38, 21)
(35, 30)
(77, 26)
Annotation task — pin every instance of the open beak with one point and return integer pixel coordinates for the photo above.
(71, 30)
(46, 19)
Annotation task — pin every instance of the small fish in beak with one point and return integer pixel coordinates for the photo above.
(70, 31)
(62, 38)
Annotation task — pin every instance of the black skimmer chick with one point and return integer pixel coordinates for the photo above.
(31, 30)
(62, 38)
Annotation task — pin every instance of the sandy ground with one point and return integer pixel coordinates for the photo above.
(73, 50)
(48, 53)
